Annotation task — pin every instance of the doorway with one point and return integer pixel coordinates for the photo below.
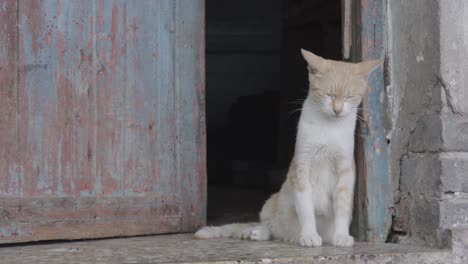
(256, 79)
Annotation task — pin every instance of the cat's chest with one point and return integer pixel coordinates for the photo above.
(323, 179)
(328, 141)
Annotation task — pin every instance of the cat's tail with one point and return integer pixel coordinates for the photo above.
(230, 230)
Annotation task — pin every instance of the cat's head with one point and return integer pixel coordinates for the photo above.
(337, 88)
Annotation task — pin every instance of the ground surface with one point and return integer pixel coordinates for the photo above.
(184, 249)
(230, 204)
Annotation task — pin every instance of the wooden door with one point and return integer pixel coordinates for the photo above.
(102, 129)
(364, 39)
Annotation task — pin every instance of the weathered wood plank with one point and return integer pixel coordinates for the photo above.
(346, 28)
(149, 98)
(373, 174)
(9, 169)
(110, 90)
(56, 97)
(190, 115)
(88, 217)
(359, 222)
(82, 208)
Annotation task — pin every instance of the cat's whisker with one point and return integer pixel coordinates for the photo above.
(296, 103)
(294, 111)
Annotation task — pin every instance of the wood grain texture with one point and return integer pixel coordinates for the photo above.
(8, 98)
(149, 98)
(91, 217)
(55, 98)
(103, 132)
(9, 168)
(373, 178)
(190, 105)
(110, 92)
(359, 222)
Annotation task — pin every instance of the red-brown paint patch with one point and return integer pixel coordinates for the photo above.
(59, 7)
(134, 28)
(33, 11)
(100, 13)
(48, 38)
(91, 32)
(113, 36)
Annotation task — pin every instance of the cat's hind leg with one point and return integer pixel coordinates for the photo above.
(258, 233)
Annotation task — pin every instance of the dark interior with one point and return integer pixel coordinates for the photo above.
(255, 82)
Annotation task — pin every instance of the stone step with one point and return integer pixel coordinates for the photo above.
(184, 249)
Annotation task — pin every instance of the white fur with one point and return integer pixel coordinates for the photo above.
(230, 230)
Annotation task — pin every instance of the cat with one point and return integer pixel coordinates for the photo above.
(315, 202)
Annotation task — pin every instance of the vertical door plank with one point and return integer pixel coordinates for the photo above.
(9, 168)
(149, 98)
(110, 89)
(55, 97)
(190, 113)
(373, 169)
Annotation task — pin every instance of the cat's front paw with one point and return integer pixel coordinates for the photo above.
(310, 240)
(343, 241)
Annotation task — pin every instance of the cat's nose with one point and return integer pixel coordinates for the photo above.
(337, 111)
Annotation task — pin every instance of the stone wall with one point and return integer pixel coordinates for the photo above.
(427, 108)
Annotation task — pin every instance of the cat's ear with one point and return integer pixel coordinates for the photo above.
(315, 63)
(367, 67)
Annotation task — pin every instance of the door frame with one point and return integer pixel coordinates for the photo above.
(364, 32)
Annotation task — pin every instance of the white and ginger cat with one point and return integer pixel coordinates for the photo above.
(315, 202)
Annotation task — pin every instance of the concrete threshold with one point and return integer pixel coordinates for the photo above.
(183, 248)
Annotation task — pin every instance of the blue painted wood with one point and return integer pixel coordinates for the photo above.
(104, 126)
(9, 169)
(110, 87)
(190, 114)
(55, 82)
(149, 98)
(373, 186)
